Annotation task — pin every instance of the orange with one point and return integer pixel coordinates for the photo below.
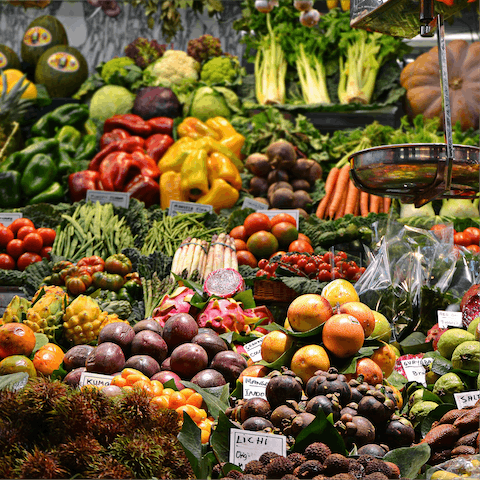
(175, 400)
(160, 401)
(308, 359)
(283, 217)
(46, 361)
(16, 339)
(144, 385)
(343, 335)
(362, 313)
(274, 345)
(135, 377)
(308, 311)
(303, 237)
(371, 372)
(168, 391)
(254, 371)
(157, 387)
(195, 400)
(340, 291)
(262, 244)
(119, 381)
(129, 371)
(240, 244)
(256, 222)
(205, 435)
(385, 358)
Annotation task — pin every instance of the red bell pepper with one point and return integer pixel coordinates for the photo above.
(113, 171)
(113, 136)
(144, 189)
(161, 125)
(130, 144)
(80, 182)
(146, 164)
(129, 122)
(156, 145)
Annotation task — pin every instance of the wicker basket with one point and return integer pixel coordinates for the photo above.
(273, 290)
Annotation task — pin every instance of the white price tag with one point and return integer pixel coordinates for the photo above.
(449, 319)
(271, 213)
(254, 349)
(95, 379)
(255, 387)
(118, 199)
(187, 207)
(251, 203)
(415, 369)
(466, 399)
(7, 218)
(246, 446)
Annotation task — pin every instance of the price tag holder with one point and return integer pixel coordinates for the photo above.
(246, 446)
(7, 218)
(466, 399)
(254, 349)
(117, 199)
(271, 213)
(251, 203)
(255, 387)
(415, 369)
(95, 379)
(177, 207)
(449, 319)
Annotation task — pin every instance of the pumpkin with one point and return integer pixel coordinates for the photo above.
(421, 79)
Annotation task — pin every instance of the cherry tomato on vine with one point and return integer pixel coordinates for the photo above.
(262, 263)
(310, 268)
(19, 223)
(302, 262)
(271, 267)
(324, 276)
(328, 257)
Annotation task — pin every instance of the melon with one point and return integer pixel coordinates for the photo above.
(62, 69)
(43, 33)
(8, 59)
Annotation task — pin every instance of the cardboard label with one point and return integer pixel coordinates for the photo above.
(466, 399)
(415, 369)
(7, 218)
(251, 203)
(255, 387)
(95, 379)
(449, 319)
(271, 213)
(117, 199)
(246, 446)
(177, 207)
(254, 349)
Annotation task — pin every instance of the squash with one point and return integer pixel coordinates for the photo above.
(421, 79)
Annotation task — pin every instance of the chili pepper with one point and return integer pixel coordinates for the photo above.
(176, 155)
(222, 126)
(113, 171)
(128, 145)
(118, 263)
(144, 189)
(77, 280)
(23, 157)
(38, 174)
(194, 181)
(157, 145)
(91, 127)
(65, 164)
(68, 138)
(220, 166)
(33, 140)
(72, 114)
(107, 281)
(211, 145)
(10, 191)
(130, 122)
(221, 195)
(170, 188)
(113, 136)
(94, 263)
(87, 148)
(80, 182)
(194, 128)
(161, 125)
(52, 194)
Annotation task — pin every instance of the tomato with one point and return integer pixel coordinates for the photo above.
(45, 252)
(473, 248)
(310, 268)
(244, 257)
(302, 262)
(239, 233)
(293, 258)
(283, 217)
(262, 263)
(324, 276)
(19, 223)
(256, 222)
(33, 242)
(24, 231)
(328, 257)
(474, 233)
(438, 227)
(300, 246)
(6, 235)
(6, 261)
(27, 259)
(341, 255)
(301, 236)
(463, 239)
(15, 248)
(48, 235)
(261, 273)
(336, 273)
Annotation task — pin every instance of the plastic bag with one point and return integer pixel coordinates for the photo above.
(462, 467)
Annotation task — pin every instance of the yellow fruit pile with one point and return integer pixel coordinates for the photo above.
(12, 77)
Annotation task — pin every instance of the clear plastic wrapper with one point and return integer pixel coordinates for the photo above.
(459, 467)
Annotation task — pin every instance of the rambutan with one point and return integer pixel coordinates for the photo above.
(40, 464)
(108, 467)
(77, 454)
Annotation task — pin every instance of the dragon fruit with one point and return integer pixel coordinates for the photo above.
(177, 302)
(224, 283)
(256, 314)
(398, 362)
(434, 334)
(470, 305)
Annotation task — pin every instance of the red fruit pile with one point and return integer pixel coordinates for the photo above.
(21, 244)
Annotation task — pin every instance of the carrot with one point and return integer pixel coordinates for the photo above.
(375, 201)
(329, 189)
(340, 190)
(364, 199)
(387, 201)
(341, 209)
(352, 198)
(357, 206)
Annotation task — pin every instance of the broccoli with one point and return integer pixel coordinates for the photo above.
(115, 65)
(204, 48)
(219, 70)
(144, 52)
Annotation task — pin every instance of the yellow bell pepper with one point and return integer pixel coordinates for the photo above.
(176, 154)
(220, 166)
(194, 175)
(221, 195)
(194, 128)
(222, 126)
(211, 145)
(170, 188)
(234, 143)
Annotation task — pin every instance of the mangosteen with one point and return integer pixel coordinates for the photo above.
(322, 402)
(258, 186)
(282, 155)
(377, 409)
(152, 102)
(256, 424)
(258, 164)
(372, 449)
(399, 433)
(301, 421)
(282, 416)
(282, 388)
(365, 430)
(335, 383)
(277, 176)
(254, 407)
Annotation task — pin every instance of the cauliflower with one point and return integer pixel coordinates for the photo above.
(115, 65)
(174, 68)
(219, 70)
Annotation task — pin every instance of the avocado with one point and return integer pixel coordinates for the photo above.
(62, 69)
(8, 59)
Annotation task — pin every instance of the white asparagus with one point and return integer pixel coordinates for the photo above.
(181, 256)
(203, 261)
(227, 256)
(196, 257)
(234, 254)
(218, 252)
(209, 263)
(188, 257)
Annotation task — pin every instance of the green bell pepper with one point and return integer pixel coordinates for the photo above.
(38, 175)
(52, 194)
(10, 163)
(87, 148)
(68, 138)
(65, 163)
(49, 146)
(73, 114)
(34, 140)
(10, 192)
(91, 128)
